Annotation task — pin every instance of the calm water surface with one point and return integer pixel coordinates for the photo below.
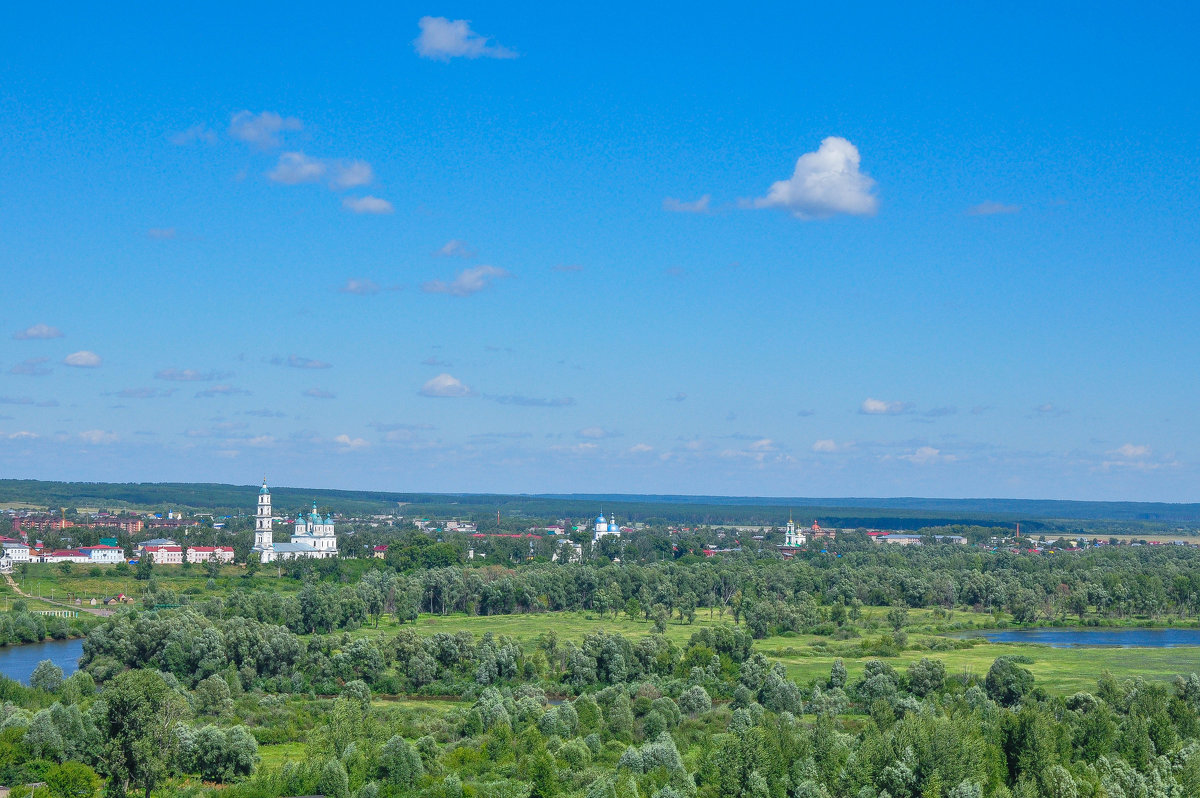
(1120, 638)
(18, 662)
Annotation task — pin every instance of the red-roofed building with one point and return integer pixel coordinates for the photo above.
(198, 554)
(379, 552)
(164, 555)
(66, 555)
(104, 554)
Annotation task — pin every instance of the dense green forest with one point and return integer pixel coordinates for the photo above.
(406, 676)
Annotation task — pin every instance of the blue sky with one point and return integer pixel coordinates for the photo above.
(832, 250)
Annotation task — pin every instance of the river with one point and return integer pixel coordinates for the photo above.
(1068, 637)
(18, 662)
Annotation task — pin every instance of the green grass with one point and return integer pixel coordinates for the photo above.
(274, 755)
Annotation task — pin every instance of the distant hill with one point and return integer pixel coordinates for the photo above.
(895, 512)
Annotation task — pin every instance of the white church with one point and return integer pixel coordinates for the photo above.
(604, 528)
(312, 537)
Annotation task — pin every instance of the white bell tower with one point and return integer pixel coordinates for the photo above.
(262, 521)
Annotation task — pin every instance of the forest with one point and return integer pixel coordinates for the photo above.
(837, 676)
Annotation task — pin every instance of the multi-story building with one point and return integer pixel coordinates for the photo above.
(104, 555)
(169, 553)
(199, 554)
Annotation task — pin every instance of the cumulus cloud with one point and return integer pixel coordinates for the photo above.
(297, 362)
(597, 433)
(469, 281)
(926, 455)
(878, 407)
(367, 204)
(825, 183)
(1050, 410)
(161, 233)
(37, 332)
(220, 390)
(640, 448)
(261, 130)
(442, 39)
(83, 359)
(317, 393)
(190, 375)
(350, 444)
(444, 386)
(23, 435)
(1131, 451)
(98, 437)
(360, 286)
(351, 174)
(295, 168)
(33, 367)
(201, 134)
(680, 206)
(992, 209)
(825, 445)
(455, 249)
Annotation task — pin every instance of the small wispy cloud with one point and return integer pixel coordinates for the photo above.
(83, 359)
(597, 433)
(144, 393)
(469, 281)
(298, 362)
(992, 209)
(926, 455)
(455, 249)
(1131, 451)
(37, 332)
(444, 386)
(22, 435)
(433, 361)
(190, 375)
(33, 367)
(1049, 410)
(346, 443)
(367, 205)
(679, 397)
(442, 39)
(806, 413)
(98, 437)
(318, 393)
(940, 412)
(221, 390)
(196, 134)
(355, 173)
(879, 407)
(264, 413)
(640, 448)
(825, 445)
(532, 401)
(294, 168)
(680, 206)
(262, 129)
(360, 286)
(161, 233)
(824, 183)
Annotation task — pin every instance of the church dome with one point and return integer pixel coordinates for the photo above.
(600, 519)
(614, 528)
(264, 490)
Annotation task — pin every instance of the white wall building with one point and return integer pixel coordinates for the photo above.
(104, 555)
(200, 554)
(605, 528)
(793, 537)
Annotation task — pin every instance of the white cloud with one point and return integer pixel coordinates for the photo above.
(762, 445)
(926, 455)
(878, 407)
(317, 393)
(220, 390)
(362, 287)
(680, 206)
(1131, 451)
(33, 367)
(444, 386)
(640, 448)
(198, 133)
(190, 375)
(82, 359)
(298, 362)
(825, 445)
(98, 437)
(37, 332)
(442, 39)
(349, 444)
(263, 129)
(597, 433)
(992, 209)
(295, 168)
(825, 183)
(469, 281)
(367, 204)
(351, 174)
(456, 249)
(23, 435)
